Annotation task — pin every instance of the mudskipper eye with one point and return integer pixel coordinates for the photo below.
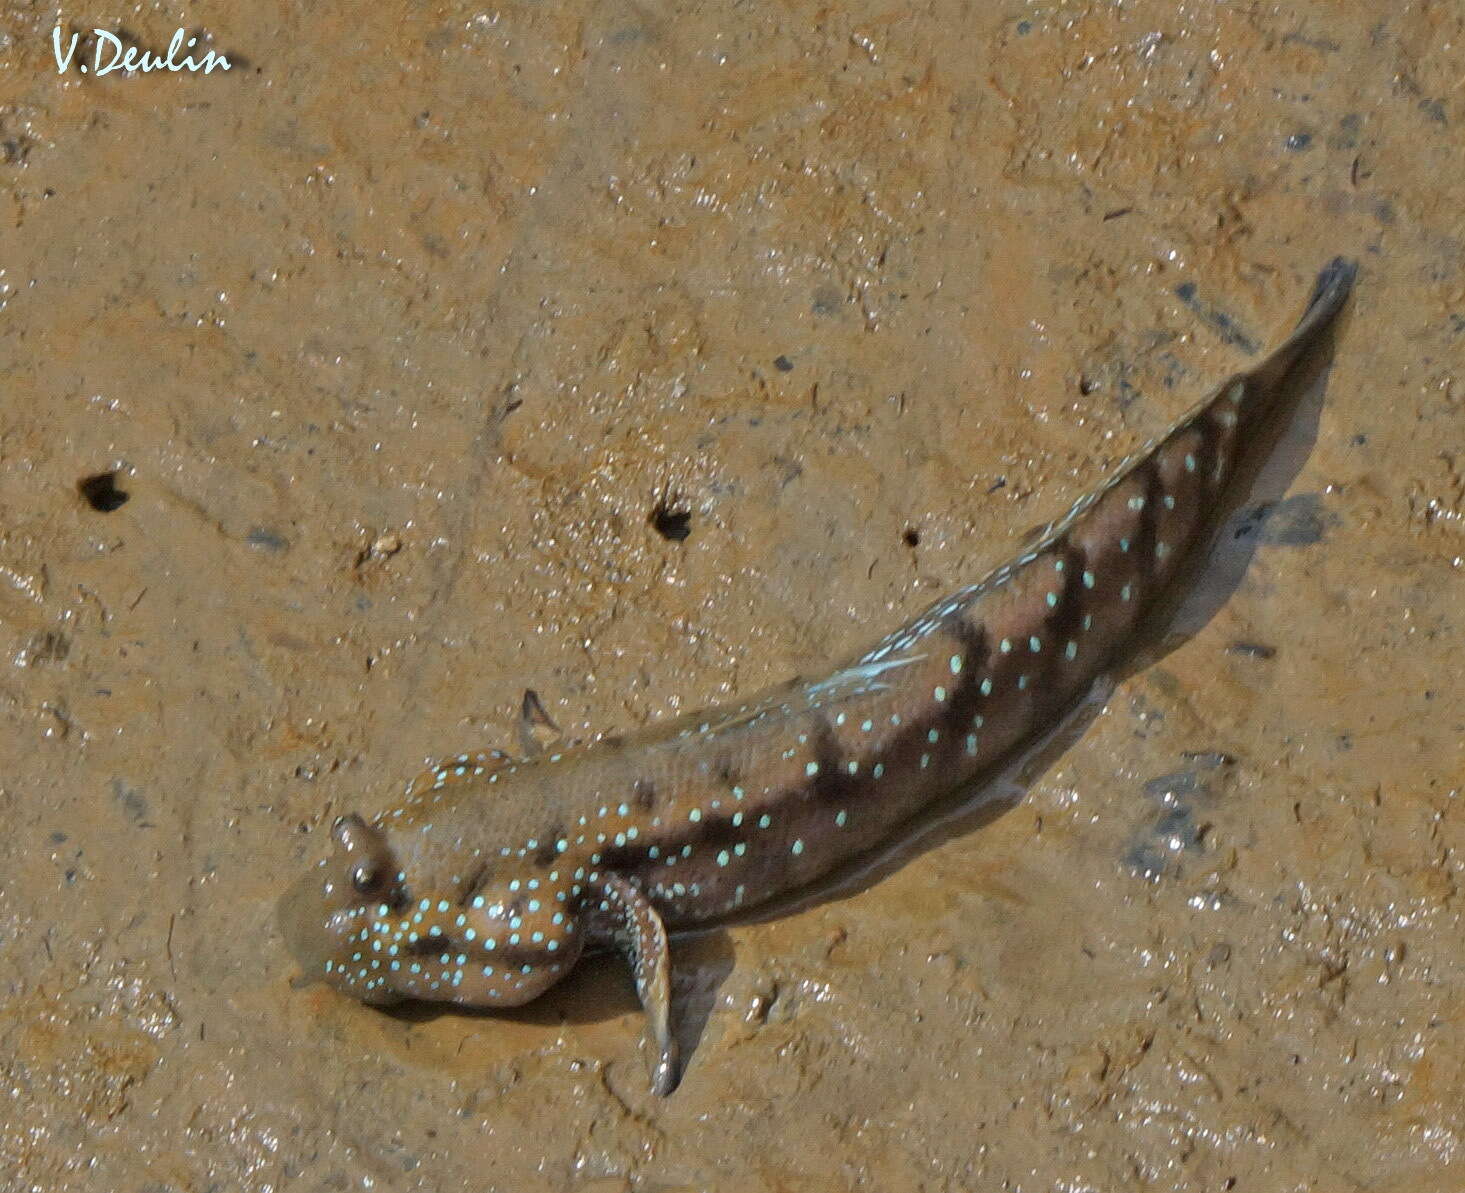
(364, 878)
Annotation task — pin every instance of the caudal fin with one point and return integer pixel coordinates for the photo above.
(1329, 293)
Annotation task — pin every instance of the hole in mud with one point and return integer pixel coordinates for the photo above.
(670, 520)
(912, 537)
(101, 492)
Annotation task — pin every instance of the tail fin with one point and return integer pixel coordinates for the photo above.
(1329, 293)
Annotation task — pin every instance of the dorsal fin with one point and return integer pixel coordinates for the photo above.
(537, 730)
(464, 768)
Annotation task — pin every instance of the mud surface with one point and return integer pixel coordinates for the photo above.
(648, 356)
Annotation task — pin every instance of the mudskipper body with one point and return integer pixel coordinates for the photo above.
(494, 874)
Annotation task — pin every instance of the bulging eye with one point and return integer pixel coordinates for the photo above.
(365, 878)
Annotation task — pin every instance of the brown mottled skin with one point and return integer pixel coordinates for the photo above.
(493, 876)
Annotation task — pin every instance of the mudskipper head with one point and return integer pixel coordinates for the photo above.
(358, 922)
(325, 914)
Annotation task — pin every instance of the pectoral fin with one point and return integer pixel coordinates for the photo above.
(641, 937)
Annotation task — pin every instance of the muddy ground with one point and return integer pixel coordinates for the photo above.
(647, 356)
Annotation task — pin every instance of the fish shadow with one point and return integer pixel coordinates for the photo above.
(601, 988)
